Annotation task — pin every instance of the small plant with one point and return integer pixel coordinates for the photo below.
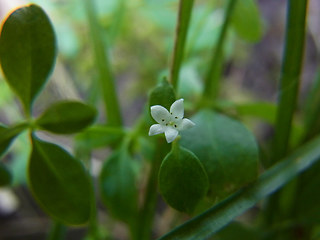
(206, 167)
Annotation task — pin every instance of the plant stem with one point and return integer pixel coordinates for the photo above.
(312, 112)
(288, 93)
(147, 213)
(84, 155)
(118, 17)
(94, 232)
(112, 108)
(290, 76)
(184, 15)
(58, 231)
(212, 80)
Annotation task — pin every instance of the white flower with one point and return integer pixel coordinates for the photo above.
(169, 123)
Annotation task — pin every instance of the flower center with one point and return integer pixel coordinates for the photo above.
(173, 124)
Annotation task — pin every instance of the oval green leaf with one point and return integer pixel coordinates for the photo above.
(5, 175)
(205, 225)
(246, 20)
(8, 134)
(163, 94)
(183, 181)
(27, 51)
(118, 186)
(99, 136)
(67, 117)
(60, 183)
(227, 150)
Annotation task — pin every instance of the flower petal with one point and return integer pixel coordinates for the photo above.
(171, 134)
(186, 124)
(177, 109)
(156, 129)
(160, 114)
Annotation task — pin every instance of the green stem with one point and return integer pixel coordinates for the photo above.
(212, 80)
(58, 231)
(84, 155)
(214, 219)
(312, 112)
(93, 224)
(288, 93)
(290, 76)
(147, 213)
(118, 17)
(184, 15)
(112, 108)
(93, 221)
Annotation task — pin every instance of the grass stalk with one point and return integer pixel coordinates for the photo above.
(57, 231)
(290, 76)
(146, 215)
(312, 112)
(106, 80)
(184, 15)
(212, 80)
(288, 94)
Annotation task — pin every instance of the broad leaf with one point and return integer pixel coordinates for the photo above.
(263, 110)
(227, 150)
(183, 181)
(118, 186)
(8, 134)
(67, 117)
(5, 175)
(214, 219)
(246, 20)
(27, 51)
(163, 94)
(99, 136)
(60, 183)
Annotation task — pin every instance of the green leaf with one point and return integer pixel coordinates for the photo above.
(183, 181)
(67, 117)
(5, 175)
(210, 222)
(263, 110)
(59, 183)
(246, 20)
(163, 94)
(99, 136)
(8, 134)
(27, 51)
(118, 186)
(227, 150)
